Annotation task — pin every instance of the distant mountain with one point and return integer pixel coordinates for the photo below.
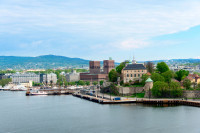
(177, 61)
(54, 61)
(45, 61)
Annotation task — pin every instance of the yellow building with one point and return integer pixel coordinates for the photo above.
(133, 72)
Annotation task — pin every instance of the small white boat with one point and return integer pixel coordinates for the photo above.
(18, 88)
(6, 88)
(39, 93)
(1, 87)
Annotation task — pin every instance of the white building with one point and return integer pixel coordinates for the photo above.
(73, 76)
(50, 78)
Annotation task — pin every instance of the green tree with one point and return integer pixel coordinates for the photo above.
(157, 77)
(181, 74)
(168, 75)
(101, 82)
(87, 82)
(81, 82)
(4, 82)
(187, 83)
(113, 75)
(144, 78)
(160, 89)
(95, 83)
(120, 67)
(162, 67)
(175, 89)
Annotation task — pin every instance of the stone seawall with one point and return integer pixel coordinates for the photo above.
(191, 94)
(130, 90)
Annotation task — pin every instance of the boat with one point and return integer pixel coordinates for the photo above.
(39, 92)
(1, 87)
(18, 88)
(7, 88)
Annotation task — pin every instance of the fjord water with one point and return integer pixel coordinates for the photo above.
(68, 114)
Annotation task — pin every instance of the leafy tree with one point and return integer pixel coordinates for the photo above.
(61, 80)
(159, 89)
(150, 67)
(162, 67)
(4, 82)
(187, 83)
(175, 89)
(168, 75)
(157, 77)
(120, 67)
(144, 78)
(181, 74)
(101, 82)
(87, 82)
(72, 83)
(113, 75)
(81, 82)
(95, 83)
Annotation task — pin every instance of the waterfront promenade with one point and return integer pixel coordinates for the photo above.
(107, 99)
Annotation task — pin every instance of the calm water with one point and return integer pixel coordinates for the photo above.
(68, 114)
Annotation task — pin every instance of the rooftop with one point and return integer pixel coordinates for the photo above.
(135, 67)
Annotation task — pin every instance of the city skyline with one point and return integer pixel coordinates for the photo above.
(96, 30)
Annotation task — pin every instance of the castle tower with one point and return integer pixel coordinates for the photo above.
(95, 67)
(108, 65)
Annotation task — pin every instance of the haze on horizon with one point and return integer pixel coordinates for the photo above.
(97, 30)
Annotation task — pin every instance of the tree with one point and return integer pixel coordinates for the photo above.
(187, 83)
(175, 89)
(144, 78)
(150, 67)
(4, 82)
(81, 82)
(157, 77)
(101, 82)
(95, 83)
(168, 75)
(181, 74)
(87, 82)
(160, 89)
(121, 66)
(113, 75)
(162, 67)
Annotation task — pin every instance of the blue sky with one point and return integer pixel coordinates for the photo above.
(99, 29)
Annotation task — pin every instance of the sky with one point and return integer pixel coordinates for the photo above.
(99, 29)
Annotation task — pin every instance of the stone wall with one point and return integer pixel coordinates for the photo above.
(130, 90)
(191, 94)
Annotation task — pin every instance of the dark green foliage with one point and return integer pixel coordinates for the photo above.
(181, 74)
(157, 77)
(95, 83)
(37, 84)
(187, 84)
(162, 67)
(101, 82)
(160, 89)
(175, 89)
(120, 67)
(168, 75)
(144, 78)
(87, 82)
(113, 89)
(163, 90)
(4, 82)
(113, 75)
(81, 82)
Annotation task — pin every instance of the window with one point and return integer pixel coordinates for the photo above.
(131, 75)
(138, 70)
(134, 75)
(138, 75)
(127, 75)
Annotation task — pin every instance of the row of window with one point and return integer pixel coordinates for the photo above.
(137, 71)
(135, 75)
